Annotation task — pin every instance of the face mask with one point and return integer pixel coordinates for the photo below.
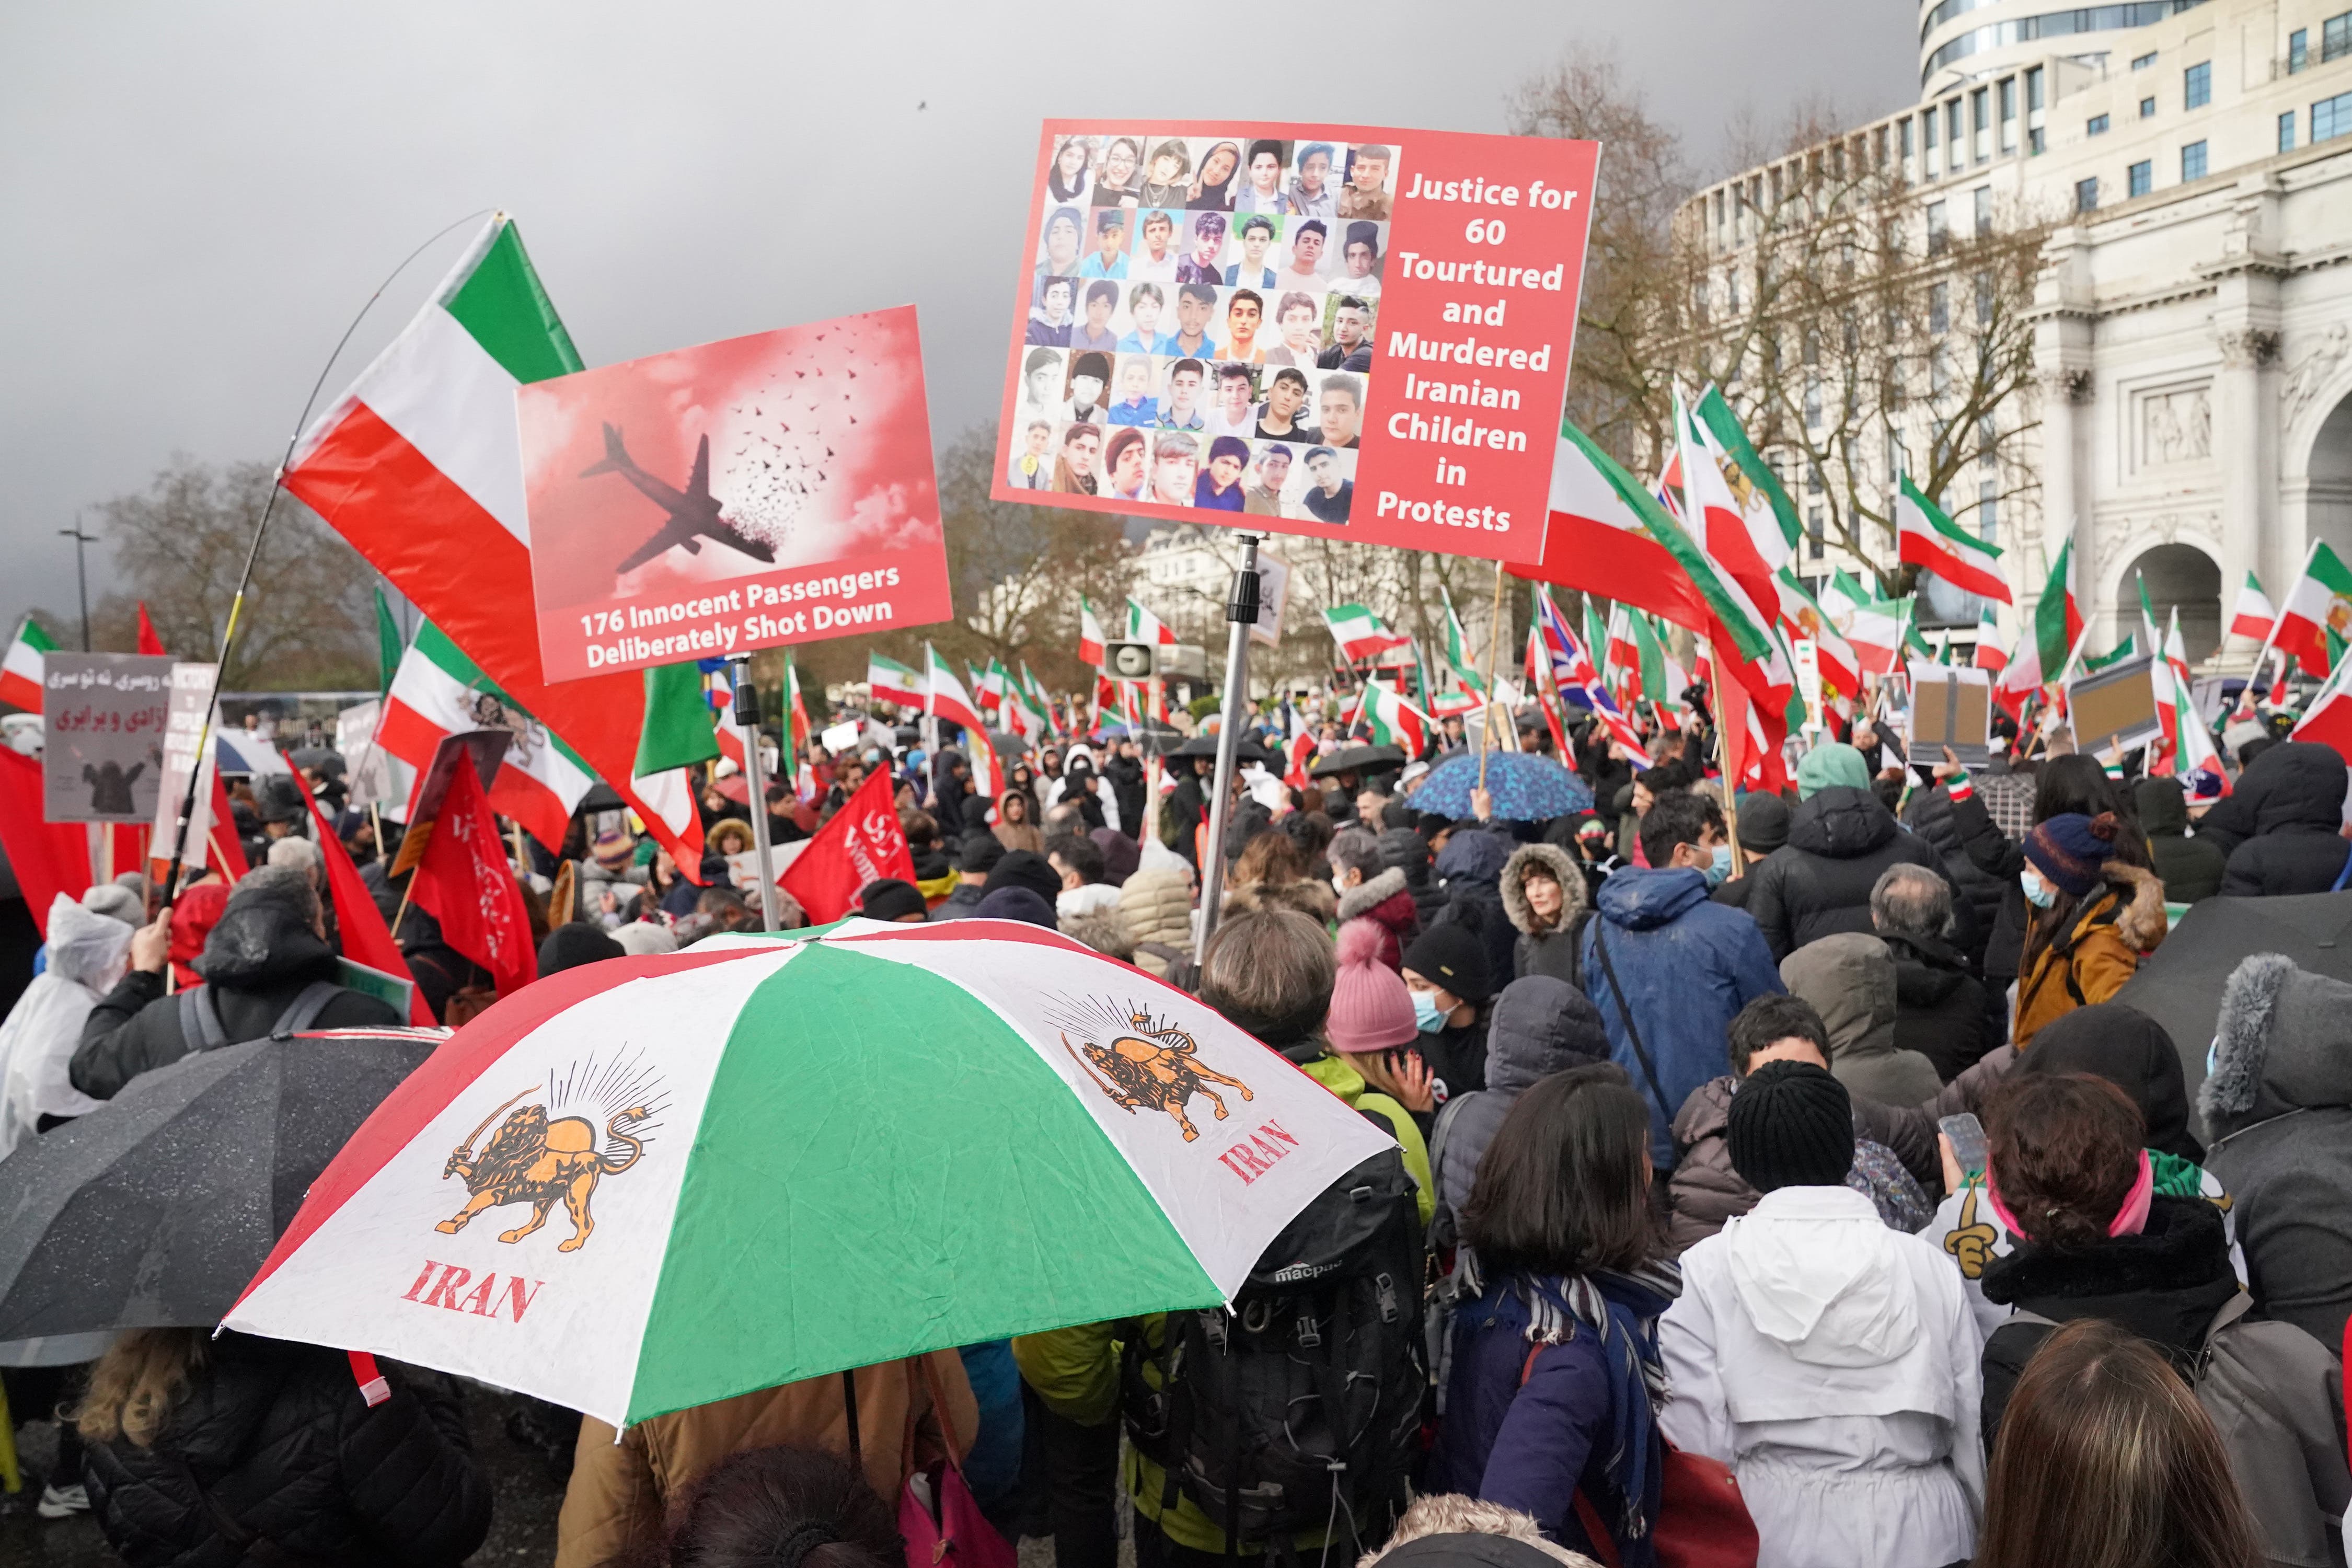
(2038, 893)
(1339, 885)
(1720, 868)
(1426, 1015)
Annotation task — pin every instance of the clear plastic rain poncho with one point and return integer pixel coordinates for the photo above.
(87, 952)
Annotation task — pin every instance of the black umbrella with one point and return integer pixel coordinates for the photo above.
(1356, 760)
(155, 1210)
(1245, 749)
(2180, 984)
(601, 796)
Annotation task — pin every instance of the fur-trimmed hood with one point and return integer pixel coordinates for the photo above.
(2141, 921)
(1305, 896)
(2284, 1042)
(1365, 896)
(1564, 870)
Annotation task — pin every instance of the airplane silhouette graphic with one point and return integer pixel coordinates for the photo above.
(693, 514)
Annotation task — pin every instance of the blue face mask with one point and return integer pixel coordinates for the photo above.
(2038, 893)
(1426, 1015)
(1719, 868)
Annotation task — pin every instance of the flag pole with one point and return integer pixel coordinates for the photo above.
(1494, 641)
(1241, 611)
(747, 719)
(2278, 614)
(253, 554)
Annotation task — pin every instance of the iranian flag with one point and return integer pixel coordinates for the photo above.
(1142, 625)
(1723, 425)
(1597, 541)
(1804, 615)
(438, 692)
(1457, 651)
(1872, 626)
(418, 466)
(944, 696)
(1395, 721)
(1738, 532)
(2320, 599)
(2254, 615)
(21, 671)
(1362, 635)
(1663, 679)
(1989, 655)
(2327, 719)
(893, 682)
(1927, 537)
(1090, 634)
(1625, 657)
(2057, 614)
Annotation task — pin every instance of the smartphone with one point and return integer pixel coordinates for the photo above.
(1967, 1136)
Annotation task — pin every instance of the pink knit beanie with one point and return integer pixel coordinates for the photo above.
(1371, 1008)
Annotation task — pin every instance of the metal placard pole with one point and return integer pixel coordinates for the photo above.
(747, 719)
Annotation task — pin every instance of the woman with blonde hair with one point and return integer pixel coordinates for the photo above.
(238, 1449)
(2107, 1460)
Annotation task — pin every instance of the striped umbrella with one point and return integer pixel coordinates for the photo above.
(652, 1183)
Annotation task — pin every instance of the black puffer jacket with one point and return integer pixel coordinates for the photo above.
(1408, 851)
(1819, 883)
(1932, 817)
(255, 961)
(1470, 872)
(278, 1438)
(2294, 795)
(1539, 1027)
(2190, 868)
(1941, 1008)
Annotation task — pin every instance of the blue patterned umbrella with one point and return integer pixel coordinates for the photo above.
(1526, 787)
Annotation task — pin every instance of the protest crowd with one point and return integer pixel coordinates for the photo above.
(1685, 1262)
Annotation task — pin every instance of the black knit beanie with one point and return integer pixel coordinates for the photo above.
(1791, 1126)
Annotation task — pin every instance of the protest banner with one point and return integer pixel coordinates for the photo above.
(1951, 709)
(861, 842)
(189, 700)
(106, 715)
(745, 494)
(1334, 331)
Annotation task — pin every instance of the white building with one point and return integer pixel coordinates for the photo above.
(2193, 320)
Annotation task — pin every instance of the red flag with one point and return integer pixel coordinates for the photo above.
(366, 938)
(48, 858)
(223, 850)
(1302, 752)
(147, 641)
(465, 882)
(863, 842)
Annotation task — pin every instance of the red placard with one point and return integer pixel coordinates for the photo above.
(770, 489)
(1337, 330)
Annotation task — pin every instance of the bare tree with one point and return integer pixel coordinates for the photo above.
(180, 546)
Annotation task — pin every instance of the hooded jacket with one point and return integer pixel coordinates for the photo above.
(1942, 1010)
(2275, 1394)
(277, 1436)
(2278, 1118)
(1850, 979)
(1155, 907)
(1706, 1190)
(257, 960)
(1387, 902)
(87, 952)
(1470, 871)
(1408, 851)
(1306, 896)
(1686, 965)
(2111, 931)
(1833, 1363)
(2190, 868)
(1546, 950)
(1539, 1026)
(1976, 910)
(2296, 793)
(1818, 882)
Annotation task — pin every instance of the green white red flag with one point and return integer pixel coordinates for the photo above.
(1738, 532)
(1395, 721)
(1458, 652)
(1838, 659)
(2057, 614)
(1927, 537)
(2320, 601)
(1362, 635)
(1990, 654)
(2328, 716)
(1723, 425)
(438, 692)
(1142, 625)
(1597, 541)
(22, 668)
(890, 681)
(1090, 634)
(2252, 616)
(419, 465)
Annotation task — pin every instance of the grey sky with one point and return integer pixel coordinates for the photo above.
(199, 196)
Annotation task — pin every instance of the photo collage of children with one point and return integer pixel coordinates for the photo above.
(1203, 312)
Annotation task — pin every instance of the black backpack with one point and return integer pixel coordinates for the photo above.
(1301, 1407)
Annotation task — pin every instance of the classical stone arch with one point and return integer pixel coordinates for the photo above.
(2179, 575)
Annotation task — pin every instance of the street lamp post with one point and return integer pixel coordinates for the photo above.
(81, 573)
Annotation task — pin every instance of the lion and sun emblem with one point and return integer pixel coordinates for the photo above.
(541, 1159)
(1149, 1065)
